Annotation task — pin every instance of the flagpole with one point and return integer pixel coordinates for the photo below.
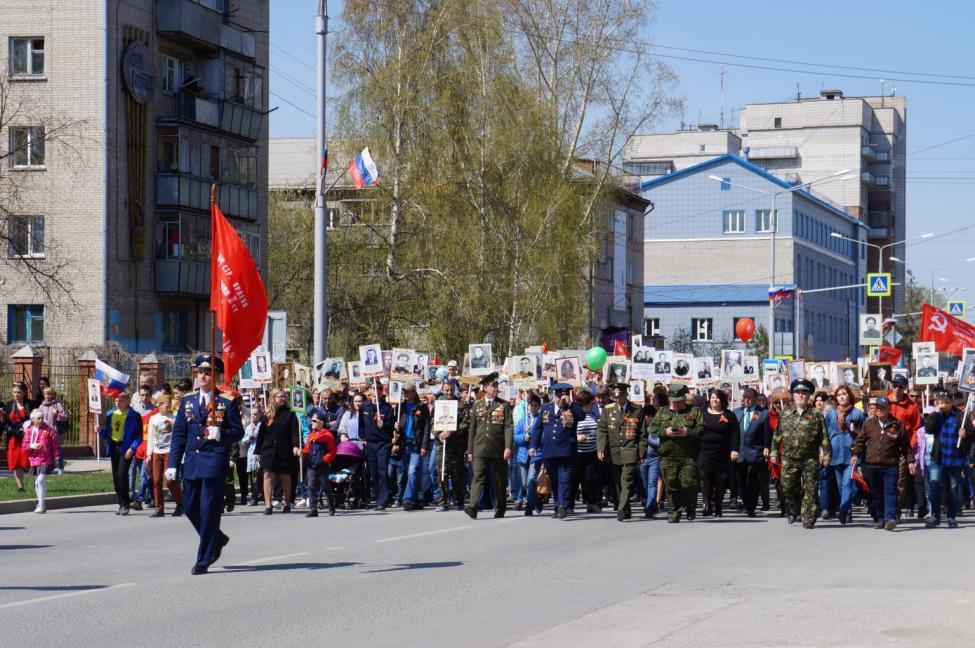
(213, 313)
(320, 324)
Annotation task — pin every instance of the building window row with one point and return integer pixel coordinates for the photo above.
(733, 221)
(812, 229)
(205, 156)
(26, 237)
(648, 168)
(25, 324)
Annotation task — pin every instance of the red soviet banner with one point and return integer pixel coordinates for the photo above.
(949, 334)
(237, 294)
(889, 354)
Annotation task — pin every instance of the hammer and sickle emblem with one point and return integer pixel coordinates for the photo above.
(938, 323)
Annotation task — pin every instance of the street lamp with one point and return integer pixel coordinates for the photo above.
(880, 254)
(774, 226)
(934, 270)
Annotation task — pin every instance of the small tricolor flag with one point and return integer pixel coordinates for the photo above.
(363, 170)
(112, 380)
(777, 294)
(324, 168)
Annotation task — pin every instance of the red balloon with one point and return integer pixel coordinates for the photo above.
(745, 329)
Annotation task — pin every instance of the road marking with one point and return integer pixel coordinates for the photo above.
(425, 533)
(332, 548)
(271, 559)
(54, 597)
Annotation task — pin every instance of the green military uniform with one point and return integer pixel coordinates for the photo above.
(678, 455)
(450, 462)
(489, 433)
(621, 439)
(802, 436)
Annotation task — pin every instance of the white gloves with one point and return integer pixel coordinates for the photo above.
(213, 433)
(170, 474)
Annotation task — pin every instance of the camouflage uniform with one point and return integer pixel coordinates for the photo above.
(802, 437)
(678, 458)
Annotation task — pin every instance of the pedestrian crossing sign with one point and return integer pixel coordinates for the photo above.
(956, 308)
(878, 284)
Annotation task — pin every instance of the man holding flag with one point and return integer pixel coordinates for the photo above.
(207, 422)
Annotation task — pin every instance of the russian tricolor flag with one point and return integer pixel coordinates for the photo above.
(363, 170)
(113, 381)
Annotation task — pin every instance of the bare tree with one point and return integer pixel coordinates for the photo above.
(21, 192)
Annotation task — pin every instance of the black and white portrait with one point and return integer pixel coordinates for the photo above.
(879, 374)
(403, 360)
(703, 368)
(818, 373)
(662, 365)
(870, 333)
(643, 364)
(481, 364)
(637, 391)
(372, 360)
(926, 370)
(616, 372)
(732, 364)
(848, 374)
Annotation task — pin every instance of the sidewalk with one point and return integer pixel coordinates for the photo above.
(86, 465)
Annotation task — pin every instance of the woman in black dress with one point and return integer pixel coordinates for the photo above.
(719, 442)
(277, 448)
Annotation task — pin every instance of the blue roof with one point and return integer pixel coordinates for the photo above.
(728, 157)
(702, 294)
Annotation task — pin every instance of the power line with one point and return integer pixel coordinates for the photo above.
(292, 56)
(293, 105)
(296, 82)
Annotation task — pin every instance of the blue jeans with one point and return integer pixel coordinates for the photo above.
(135, 474)
(883, 491)
(378, 465)
(430, 482)
(396, 479)
(516, 482)
(413, 463)
(842, 474)
(951, 480)
(531, 483)
(649, 470)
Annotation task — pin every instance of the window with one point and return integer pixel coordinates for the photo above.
(725, 184)
(25, 324)
(26, 57)
(762, 221)
(701, 148)
(649, 168)
(172, 74)
(651, 327)
(27, 146)
(26, 236)
(777, 122)
(174, 330)
(702, 329)
(734, 221)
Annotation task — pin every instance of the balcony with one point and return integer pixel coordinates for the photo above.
(174, 191)
(867, 153)
(191, 21)
(175, 276)
(189, 107)
(883, 156)
(240, 120)
(866, 177)
(883, 181)
(773, 153)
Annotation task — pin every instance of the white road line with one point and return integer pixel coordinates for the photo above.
(425, 533)
(332, 548)
(61, 596)
(270, 559)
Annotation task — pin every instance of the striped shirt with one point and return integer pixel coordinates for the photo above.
(587, 426)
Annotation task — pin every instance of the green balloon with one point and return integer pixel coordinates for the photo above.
(595, 358)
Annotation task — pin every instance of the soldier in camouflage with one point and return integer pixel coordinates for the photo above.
(679, 429)
(621, 442)
(805, 446)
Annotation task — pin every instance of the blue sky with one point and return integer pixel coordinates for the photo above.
(894, 35)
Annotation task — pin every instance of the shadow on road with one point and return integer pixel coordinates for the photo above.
(52, 588)
(309, 566)
(11, 528)
(15, 547)
(411, 566)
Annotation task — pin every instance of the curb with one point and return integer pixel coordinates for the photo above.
(67, 501)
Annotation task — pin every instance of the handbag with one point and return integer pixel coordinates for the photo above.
(543, 485)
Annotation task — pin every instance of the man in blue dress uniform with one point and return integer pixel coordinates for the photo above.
(204, 435)
(555, 431)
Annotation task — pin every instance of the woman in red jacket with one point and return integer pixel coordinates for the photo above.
(320, 449)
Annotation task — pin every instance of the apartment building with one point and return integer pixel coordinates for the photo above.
(131, 111)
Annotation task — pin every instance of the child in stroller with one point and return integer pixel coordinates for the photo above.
(345, 475)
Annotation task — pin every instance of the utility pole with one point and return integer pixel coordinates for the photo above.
(321, 212)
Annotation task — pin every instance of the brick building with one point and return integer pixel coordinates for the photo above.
(132, 109)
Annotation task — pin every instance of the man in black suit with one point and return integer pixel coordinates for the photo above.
(753, 441)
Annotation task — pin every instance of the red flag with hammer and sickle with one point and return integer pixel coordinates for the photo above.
(949, 334)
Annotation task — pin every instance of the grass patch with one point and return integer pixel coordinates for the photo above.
(58, 485)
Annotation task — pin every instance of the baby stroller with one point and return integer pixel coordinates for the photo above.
(344, 476)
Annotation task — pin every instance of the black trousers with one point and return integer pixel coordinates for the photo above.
(587, 474)
(241, 464)
(120, 473)
(714, 482)
(377, 461)
(453, 477)
(317, 482)
(751, 479)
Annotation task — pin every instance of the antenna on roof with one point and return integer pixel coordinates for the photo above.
(798, 92)
(721, 114)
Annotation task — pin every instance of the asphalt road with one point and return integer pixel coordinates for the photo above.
(85, 577)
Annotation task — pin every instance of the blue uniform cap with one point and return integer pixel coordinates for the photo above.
(801, 385)
(561, 386)
(882, 401)
(207, 362)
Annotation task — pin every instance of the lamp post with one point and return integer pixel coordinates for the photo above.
(880, 255)
(934, 270)
(773, 227)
